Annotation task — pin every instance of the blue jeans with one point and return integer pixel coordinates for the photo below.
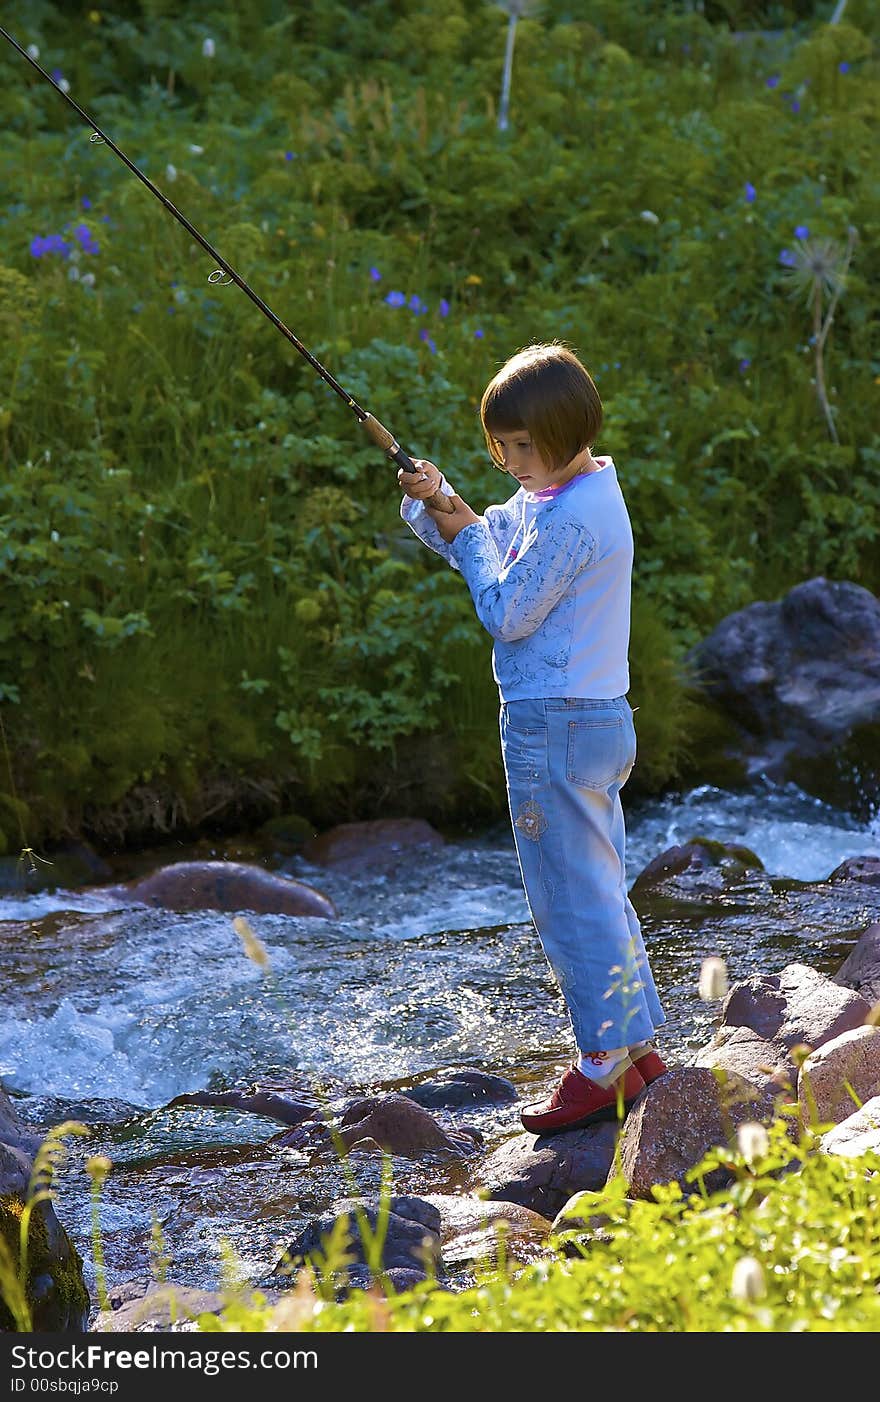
(566, 760)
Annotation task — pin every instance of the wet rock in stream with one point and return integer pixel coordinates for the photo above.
(393, 1122)
(229, 886)
(55, 1291)
(459, 1088)
(410, 1242)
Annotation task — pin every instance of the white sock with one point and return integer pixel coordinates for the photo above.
(603, 1067)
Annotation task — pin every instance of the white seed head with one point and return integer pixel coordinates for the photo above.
(713, 979)
(33, 52)
(64, 85)
(209, 48)
(170, 172)
(748, 1280)
(649, 216)
(753, 1141)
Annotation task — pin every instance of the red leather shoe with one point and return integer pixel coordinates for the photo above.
(578, 1101)
(650, 1065)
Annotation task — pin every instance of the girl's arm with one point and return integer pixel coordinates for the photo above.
(512, 602)
(502, 521)
(421, 521)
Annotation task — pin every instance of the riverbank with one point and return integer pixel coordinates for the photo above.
(432, 966)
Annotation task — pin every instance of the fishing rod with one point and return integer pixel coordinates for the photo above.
(224, 274)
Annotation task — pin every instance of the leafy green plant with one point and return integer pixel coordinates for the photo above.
(184, 505)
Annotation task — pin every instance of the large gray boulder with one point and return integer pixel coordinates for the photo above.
(799, 680)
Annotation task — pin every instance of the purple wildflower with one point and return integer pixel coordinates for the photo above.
(83, 236)
(395, 299)
(795, 105)
(52, 243)
(744, 365)
(423, 336)
(801, 232)
(56, 75)
(750, 192)
(290, 155)
(787, 258)
(443, 307)
(843, 67)
(478, 335)
(416, 304)
(773, 80)
(375, 275)
(86, 202)
(105, 218)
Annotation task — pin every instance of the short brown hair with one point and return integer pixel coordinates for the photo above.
(547, 391)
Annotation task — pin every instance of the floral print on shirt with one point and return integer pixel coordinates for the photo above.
(519, 572)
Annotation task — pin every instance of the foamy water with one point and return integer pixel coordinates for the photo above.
(430, 965)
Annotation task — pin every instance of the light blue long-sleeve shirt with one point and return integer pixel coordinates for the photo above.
(550, 576)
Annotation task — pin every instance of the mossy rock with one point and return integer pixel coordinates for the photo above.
(56, 1292)
(287, 833)
(689, 860)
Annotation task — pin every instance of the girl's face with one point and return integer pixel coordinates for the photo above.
(523, 461)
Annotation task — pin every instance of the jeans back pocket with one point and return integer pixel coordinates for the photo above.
(599, 751)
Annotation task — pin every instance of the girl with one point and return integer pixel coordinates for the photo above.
(550, 576)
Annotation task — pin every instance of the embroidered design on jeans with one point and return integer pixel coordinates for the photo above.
(530, 819)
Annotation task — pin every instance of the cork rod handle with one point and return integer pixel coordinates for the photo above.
(389, 445)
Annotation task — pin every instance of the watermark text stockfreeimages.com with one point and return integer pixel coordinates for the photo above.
(96, 1357)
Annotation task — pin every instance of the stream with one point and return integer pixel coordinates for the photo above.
(432, 965)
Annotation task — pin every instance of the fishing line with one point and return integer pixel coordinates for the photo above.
(224, 274)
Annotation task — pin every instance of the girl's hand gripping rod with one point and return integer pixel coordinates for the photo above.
(223, 274)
